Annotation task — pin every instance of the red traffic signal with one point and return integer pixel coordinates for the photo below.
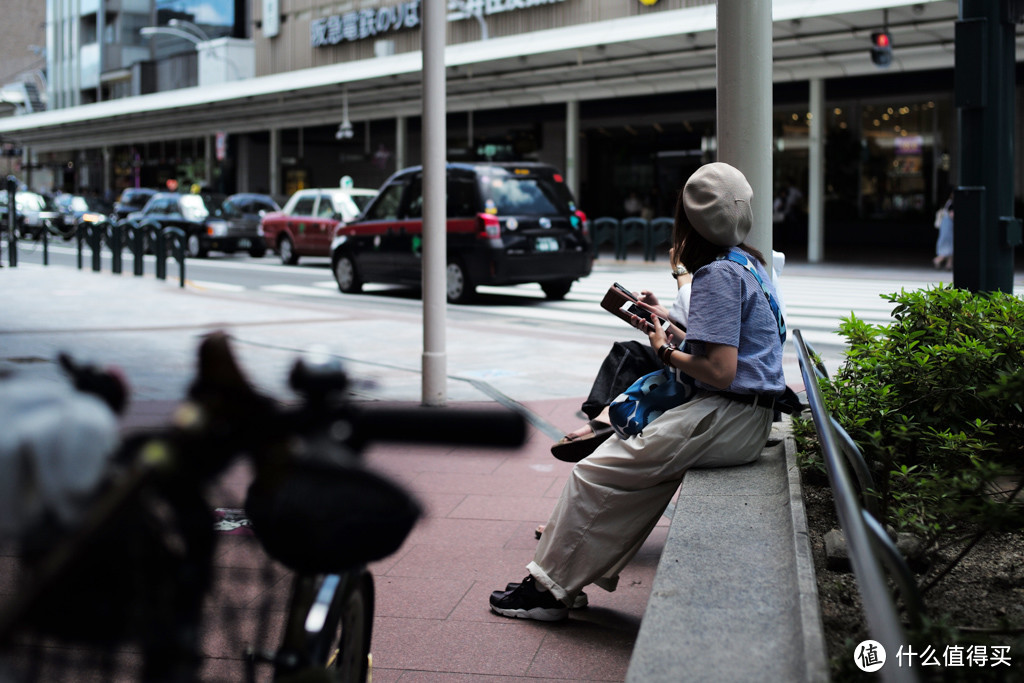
(881, 48)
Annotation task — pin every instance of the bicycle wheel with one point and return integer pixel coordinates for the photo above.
(343, 646)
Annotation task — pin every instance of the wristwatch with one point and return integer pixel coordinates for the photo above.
(679, 270)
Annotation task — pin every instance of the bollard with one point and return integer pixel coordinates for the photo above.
(176, 237)
(115, 240)
(160, 249)
(79, 238)
(135, 237)
(46, 247)
(12, 218)
(95, 237)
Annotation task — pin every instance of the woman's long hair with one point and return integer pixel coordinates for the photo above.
(693, 250)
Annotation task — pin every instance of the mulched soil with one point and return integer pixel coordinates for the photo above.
(984, 593)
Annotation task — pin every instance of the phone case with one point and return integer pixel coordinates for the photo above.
(613, 301)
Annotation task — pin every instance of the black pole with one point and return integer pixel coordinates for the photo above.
(985, 231)
(12, 211)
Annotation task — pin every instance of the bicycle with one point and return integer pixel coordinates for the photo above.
(313, 506)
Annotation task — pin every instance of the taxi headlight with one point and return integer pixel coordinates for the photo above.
(216, 228)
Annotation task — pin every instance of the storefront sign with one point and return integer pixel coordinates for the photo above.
(372, 23)
(271, 18)
(909, 144)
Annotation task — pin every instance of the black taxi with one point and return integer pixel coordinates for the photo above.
(507, 224)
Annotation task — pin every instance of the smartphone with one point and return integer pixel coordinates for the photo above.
(630, 306)
(624, 304)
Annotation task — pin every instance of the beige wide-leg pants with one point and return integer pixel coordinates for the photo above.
(615, 496)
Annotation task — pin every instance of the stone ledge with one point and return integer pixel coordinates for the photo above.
(734, 597)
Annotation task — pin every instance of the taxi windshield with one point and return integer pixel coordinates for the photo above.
(524, 195)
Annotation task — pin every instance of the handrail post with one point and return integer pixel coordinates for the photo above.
(879, 608)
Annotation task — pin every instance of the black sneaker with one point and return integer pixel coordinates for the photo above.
(579, 602)
(526, 602)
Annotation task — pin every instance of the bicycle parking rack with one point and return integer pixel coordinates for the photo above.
(869, 546)
(136, 237)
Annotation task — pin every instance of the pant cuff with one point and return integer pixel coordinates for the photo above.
(541, 577)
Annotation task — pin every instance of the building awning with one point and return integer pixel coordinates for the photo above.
(660, 52)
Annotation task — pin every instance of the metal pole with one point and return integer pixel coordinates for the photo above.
(275, 161)
(572, 147)
(12, 213)
(434, 212)
(401, 139)
(985, 231)
(816, 175)
(744, 56)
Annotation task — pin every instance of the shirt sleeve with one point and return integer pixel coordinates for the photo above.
(680, 311)
(716, 309)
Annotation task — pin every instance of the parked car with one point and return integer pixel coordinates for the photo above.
(38, 214)
(132, 199)
(78, 209)
(508, 223)
(235, 225)
(193, 213)
(306, 224)
(5, 215)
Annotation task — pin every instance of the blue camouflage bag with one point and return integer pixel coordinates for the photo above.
(647, 398)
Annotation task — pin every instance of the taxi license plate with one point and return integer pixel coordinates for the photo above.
(243, 244)
(546, 244)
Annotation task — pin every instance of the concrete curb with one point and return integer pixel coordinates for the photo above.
(734, 597)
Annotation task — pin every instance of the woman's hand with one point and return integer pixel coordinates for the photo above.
(649, 301)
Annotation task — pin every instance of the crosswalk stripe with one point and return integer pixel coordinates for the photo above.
(217, 286)
(300, 290)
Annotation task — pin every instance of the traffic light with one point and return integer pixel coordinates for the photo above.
(881, 48)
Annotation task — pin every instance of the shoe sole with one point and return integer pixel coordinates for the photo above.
(536, 613)
(579, 602)
(576, 450)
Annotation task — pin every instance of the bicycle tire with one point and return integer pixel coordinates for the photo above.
(343, 646)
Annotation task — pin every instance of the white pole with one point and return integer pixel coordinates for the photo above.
(275, 161)
(572, 146)
(816, 175)
(401, 135)
(434, 214)
(744, 54)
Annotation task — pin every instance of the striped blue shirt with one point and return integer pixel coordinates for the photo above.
(727, 306)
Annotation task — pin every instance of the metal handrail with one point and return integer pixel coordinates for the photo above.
(879, 607)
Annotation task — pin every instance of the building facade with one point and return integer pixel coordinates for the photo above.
(620, 94)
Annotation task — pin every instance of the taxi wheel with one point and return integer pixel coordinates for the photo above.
(286, 250)
(459, 287)
(347, 275)
(194, 247)
(556, 290)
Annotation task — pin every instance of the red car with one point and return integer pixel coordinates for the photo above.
(305, 226)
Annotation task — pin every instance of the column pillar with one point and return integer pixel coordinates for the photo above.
(816, 175)
(572, 147)
(744, 130)
(435, 359)
(275, 161)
